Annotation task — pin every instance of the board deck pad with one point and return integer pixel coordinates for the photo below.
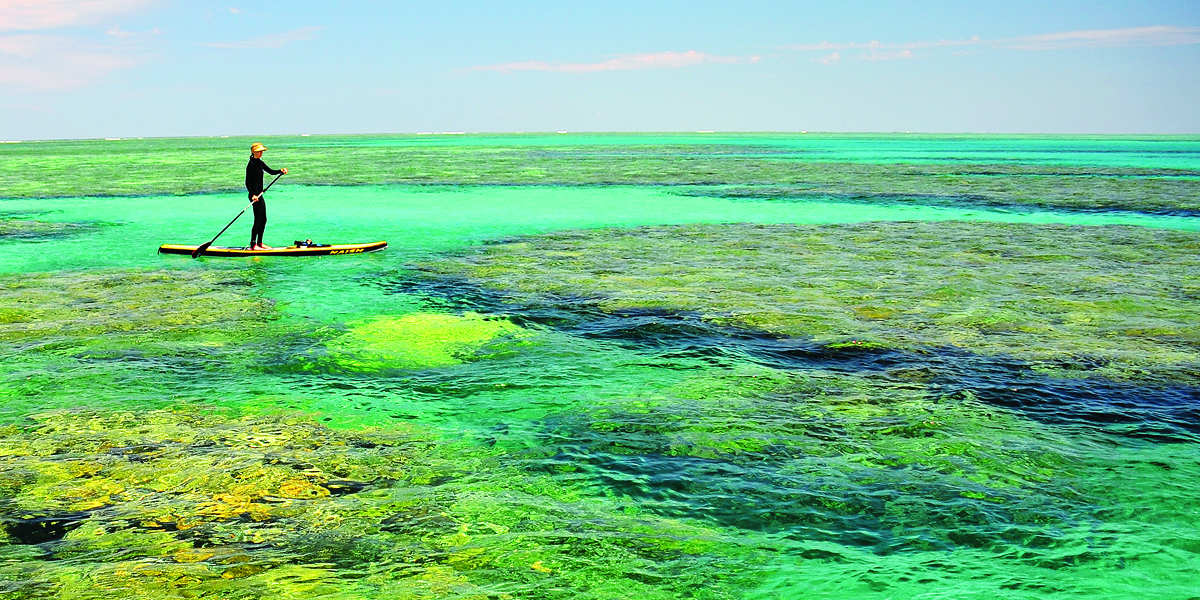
(301, 250)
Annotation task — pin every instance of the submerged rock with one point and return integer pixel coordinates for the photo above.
(33, 230)
(416, 341)
(198, 502)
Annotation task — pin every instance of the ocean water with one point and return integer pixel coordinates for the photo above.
(604, 366)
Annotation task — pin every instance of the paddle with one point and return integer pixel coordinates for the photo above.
(198, 251)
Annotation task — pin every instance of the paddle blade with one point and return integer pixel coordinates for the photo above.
(200, 250)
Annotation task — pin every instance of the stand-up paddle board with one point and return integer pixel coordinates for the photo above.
(294, 250)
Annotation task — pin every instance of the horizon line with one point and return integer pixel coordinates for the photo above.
(554, 133)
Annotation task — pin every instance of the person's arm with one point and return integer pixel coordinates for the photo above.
(269, 169)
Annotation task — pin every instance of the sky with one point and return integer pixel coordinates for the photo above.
(154, 68)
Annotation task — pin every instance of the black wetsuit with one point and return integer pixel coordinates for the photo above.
(254, 186)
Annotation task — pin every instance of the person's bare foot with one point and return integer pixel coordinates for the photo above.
(265, 247)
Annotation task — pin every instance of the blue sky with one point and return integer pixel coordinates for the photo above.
(123, 68)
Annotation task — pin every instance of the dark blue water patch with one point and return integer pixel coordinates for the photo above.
(1139, 174)
(819, 476)
(1164, 412)
(9, 215)
(41, 528)
(1160, 412)
(807, 497)
(828, 192)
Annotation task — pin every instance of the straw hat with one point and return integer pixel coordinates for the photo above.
(257, 147)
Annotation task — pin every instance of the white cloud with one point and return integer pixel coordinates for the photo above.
(629, 62)
(30, 15)
(272, 40)
(36, 62)
(1159, 35)
(39, 60)
(876, 55)
(121, 34)
(878, 51)
(823, 46)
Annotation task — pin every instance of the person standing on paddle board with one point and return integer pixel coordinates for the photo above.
(254, 186)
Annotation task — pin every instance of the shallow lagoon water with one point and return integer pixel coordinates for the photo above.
(535, 458)
(1150, 174)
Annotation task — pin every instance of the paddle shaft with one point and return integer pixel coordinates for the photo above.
(204, 247)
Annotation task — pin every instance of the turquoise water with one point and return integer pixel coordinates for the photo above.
(573, 431)
(1161, 152)
(419, 220)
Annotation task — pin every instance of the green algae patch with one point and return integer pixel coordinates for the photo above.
(34, 230)
(201, 502)
(114, 312)
(114, 336)
(1122, 302)
(417, 341)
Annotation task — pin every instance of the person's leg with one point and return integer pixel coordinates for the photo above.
(260, 222)
(262, 228)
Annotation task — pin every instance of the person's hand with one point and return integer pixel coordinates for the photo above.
(253, 199)
(284, 170)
